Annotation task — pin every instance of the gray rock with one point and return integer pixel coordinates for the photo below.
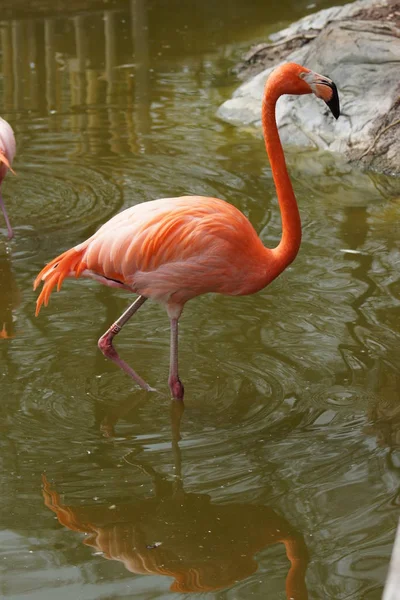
(320, 19)
(392, 587)
(362, 55)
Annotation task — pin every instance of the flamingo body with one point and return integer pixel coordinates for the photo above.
(174, 249)
(171, 250)
(7, 153)
(7, 147)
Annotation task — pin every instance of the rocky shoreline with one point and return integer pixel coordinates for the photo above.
(358, 46)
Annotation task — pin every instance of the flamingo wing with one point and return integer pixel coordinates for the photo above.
(179, 247)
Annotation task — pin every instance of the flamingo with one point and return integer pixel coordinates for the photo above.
(174, 249)
(7, 153)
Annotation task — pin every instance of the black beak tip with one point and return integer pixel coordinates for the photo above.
(333, 103)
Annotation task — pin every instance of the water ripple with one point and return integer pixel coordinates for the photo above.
(61, 196)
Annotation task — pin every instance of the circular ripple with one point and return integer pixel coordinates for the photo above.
(47, 198)
(354, 398)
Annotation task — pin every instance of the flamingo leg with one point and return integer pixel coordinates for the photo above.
(3, 208)
(106, 346)
(175, 384)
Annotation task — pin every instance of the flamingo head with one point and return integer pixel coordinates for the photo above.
(291, 78)
(323, 88)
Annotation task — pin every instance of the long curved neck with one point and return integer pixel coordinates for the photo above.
(289, 245)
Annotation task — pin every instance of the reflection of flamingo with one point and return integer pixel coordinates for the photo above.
(174, 249)
(202, 545)
(7, 153)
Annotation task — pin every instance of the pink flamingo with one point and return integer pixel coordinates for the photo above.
(7, 153)
(174, 249)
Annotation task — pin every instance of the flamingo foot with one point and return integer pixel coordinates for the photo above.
(176, 387)
(107, 348)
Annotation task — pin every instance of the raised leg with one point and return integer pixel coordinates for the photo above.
(107, 348)
(3, 208)
(174, 382)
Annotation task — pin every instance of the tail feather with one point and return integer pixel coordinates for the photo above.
(67, 264)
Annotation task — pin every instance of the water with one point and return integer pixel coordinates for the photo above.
(290, 434)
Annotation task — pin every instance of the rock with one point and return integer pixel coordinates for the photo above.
(358, 46)
(392, 587)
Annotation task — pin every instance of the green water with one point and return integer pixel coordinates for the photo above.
(290, 434)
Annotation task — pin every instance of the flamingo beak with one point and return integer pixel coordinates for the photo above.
(333, 102)
(324, 88)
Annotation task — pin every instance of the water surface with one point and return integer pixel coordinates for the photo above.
(290, 433)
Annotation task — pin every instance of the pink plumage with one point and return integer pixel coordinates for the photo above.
(7, 153)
